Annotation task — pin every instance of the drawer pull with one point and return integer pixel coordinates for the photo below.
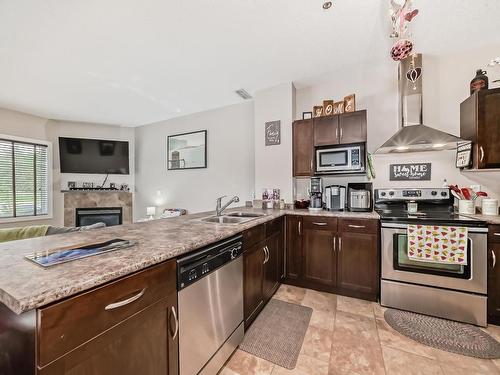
(496, 234)
(340, 244)
(300, 227)
(356, 226)
(320, 223)
(494, 259)
(176, 330)
(115, 305)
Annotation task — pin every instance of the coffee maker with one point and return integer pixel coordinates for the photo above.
(316, 194)
(335, 198)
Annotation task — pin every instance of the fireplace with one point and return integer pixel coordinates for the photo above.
(108, 215)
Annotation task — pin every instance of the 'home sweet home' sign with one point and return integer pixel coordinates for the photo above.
(410, 172)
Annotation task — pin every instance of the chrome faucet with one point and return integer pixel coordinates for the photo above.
(219, 208)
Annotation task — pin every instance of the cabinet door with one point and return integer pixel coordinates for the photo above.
(326, 131)
(489, 129)
(303, 150)
(293, 247)
(146, 343)
(253, 274)
(320, 258)
(352, 127)
(281, 251)
(358, 262)
(271, 275)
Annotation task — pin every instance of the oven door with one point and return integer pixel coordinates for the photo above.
(396, 265)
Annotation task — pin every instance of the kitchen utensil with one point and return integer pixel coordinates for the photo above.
(456, 195)
(466, 192)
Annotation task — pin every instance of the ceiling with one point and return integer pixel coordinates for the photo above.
(132, 62)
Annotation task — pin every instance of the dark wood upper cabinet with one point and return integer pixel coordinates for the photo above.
(326, 131)
(494, 274)
(480, 124)
(303, 149)
(352, 127)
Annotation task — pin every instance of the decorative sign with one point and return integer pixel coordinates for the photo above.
(464, 152)
(410, 171)
(273, 133)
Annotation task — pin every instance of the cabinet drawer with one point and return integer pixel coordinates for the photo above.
(358, 225)
(494, 233)
(274, 227)
(68, 324)
(320, 222)
(254, 235)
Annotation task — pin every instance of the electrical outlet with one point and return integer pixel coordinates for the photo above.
(475, 188)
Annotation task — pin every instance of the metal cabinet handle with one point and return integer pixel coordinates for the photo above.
(337, 133)
(496, 234)
(334, 244)
(494, 259)
(341, 133)
(300, 228)
(356, 226)
(340, 244)
(115, 305)
(268, 255)
(311, 165)
(176, 330)
(320, 223)
(481, 150)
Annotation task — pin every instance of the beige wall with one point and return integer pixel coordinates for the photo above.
(24, 125)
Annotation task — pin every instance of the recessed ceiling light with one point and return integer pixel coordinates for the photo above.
(327, 5)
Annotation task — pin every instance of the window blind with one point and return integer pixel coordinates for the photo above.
(24, 185)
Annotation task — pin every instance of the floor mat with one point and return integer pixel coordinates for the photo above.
(278, 332)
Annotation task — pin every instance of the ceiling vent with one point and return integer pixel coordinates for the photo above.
(244, 94)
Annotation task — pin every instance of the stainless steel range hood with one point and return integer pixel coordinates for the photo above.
(413, 135)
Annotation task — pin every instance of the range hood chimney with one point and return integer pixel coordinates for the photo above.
(413, 135)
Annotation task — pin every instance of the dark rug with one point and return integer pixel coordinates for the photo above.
(278, 332)
(444, 334)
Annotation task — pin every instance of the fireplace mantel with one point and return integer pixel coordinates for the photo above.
(88, 199)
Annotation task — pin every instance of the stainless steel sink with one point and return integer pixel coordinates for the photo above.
(233, 218)
(224, 219)
(245, 214)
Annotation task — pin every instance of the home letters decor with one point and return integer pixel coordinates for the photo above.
(410, 172)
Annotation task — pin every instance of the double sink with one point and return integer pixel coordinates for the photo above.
(233, 218)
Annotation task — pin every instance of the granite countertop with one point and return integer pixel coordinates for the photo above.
(25, 286)
(490, 219)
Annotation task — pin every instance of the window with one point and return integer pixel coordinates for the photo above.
(24, 178)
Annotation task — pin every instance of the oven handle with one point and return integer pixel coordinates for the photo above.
(405, 226)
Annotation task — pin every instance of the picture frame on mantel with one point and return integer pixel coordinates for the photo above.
(187, 151)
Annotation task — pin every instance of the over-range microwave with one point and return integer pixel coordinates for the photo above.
(340, 159)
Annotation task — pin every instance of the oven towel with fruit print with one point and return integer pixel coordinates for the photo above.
(437, 244)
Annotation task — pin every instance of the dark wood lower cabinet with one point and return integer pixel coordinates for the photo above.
(271, 267)
(142, 344)
(358, 263)
(320, 257)
(334, 256)
(253, 276)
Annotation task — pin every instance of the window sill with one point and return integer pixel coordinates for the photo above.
(25, 218)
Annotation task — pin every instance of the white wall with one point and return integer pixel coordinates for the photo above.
(24, 125)
(230, 148)
(446, 84)
(273, 164)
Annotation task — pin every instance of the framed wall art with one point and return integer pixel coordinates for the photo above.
(187, 150)
(273, 133)
(307, 115)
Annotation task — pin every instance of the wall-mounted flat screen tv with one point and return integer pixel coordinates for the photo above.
(96, 156)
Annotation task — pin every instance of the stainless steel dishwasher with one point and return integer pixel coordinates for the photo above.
(210, 298)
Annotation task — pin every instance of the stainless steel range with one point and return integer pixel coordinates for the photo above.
(452, 291)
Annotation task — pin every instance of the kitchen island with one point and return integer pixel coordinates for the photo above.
(99, 313)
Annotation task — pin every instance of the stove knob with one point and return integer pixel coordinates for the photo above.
(383, 194)
(434, 193)
(444, 193)
(391, 193)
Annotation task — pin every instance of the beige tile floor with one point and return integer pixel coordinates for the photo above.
(350, 336)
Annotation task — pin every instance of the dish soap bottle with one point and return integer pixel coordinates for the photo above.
(479, 82)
